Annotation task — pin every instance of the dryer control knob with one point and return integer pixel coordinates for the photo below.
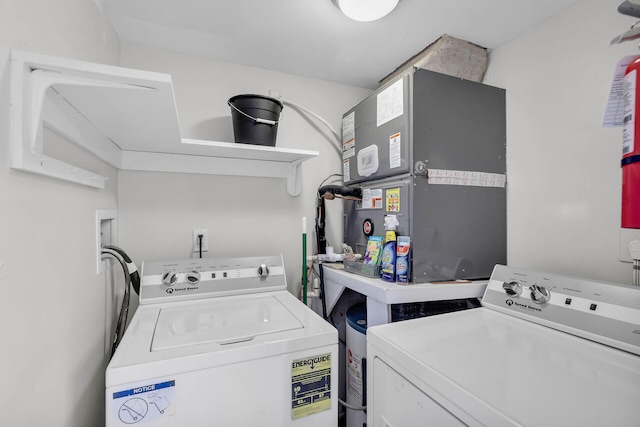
(263, 271)
(169, 278)
(513, 289)
(193, 277)
(540, 294)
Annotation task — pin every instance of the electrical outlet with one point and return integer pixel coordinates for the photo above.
(196, 240)
(627, 235)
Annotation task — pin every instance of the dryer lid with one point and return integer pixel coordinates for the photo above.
(225, 321)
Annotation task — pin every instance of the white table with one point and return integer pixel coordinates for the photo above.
(380, 294)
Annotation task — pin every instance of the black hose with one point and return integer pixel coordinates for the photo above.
(322, 294)
(340, 190)
(133, 270)
(124, 309)
(321, 240)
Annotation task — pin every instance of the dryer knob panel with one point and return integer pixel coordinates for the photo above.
(192, 277)
(263, 271)
(608, 313)
(513, 289)
(170, 278)
(540, 294)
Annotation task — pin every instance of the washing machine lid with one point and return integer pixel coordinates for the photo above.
(492, 369)
(223, 322)
(174, 338)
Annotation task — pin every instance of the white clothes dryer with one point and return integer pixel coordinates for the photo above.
(543, 350)
(221, 342)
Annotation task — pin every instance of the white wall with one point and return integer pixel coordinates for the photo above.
(563, 168)
(244, 216)
(563, 205)
(52, 308)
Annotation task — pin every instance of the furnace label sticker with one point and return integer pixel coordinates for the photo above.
(392, 201)
(348, 153)
(346, 175)
(390, 103)
(143, 404)
(395, 158)
(310, 385)
(348, 135)
(470, 178)
(372, 198)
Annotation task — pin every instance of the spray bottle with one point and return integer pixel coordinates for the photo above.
(388, 258)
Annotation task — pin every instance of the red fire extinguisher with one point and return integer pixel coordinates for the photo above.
(631, 147)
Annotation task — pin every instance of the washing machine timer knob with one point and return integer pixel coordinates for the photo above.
(263, 271)
(170, 278)
(540, 294)
(192, 277)
(513, 289)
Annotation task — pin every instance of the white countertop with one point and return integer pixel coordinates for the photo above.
(391, 293)
(381, 293)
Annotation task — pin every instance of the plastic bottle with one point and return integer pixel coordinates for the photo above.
(388, 258)
(403, 262)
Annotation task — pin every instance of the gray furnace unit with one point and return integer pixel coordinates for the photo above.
(430, 149)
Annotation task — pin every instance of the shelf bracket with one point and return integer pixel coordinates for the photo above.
(294, 180)
(29, 98)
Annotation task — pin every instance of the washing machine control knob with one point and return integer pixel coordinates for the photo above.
(513, 289)
(169, 278)
(192, 277)
(263, 271)
(540, 294)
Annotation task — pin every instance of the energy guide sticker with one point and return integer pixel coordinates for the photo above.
(310, 385)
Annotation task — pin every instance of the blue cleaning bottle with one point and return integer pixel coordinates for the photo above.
(388, 257)
(403, 261)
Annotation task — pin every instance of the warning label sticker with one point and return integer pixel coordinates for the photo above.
(145, 403)
(310, 385)
(393, 200)
(372, 198)
(348, 135)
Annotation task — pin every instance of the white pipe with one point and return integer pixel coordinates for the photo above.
(315, 293)
(336, 135)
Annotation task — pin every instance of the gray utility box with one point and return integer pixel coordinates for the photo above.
(430, 149)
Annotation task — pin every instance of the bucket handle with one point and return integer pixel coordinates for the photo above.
(256, 119)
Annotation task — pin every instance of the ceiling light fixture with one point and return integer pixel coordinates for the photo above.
(366, 10)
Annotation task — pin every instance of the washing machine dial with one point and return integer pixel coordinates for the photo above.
(540, 294)
(169, 278)
(263, 271)
(192, 277)
(513, 289)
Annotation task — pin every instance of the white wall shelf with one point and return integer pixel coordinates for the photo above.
(125, 117)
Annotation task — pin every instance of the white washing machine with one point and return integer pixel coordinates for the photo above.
(543, 350)
(221, 342)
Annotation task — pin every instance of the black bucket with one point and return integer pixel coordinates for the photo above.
(255, 119)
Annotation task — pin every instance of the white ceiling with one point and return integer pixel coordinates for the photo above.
(312, 38)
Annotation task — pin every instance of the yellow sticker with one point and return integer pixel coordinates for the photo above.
(393, 200)
(310, 385)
